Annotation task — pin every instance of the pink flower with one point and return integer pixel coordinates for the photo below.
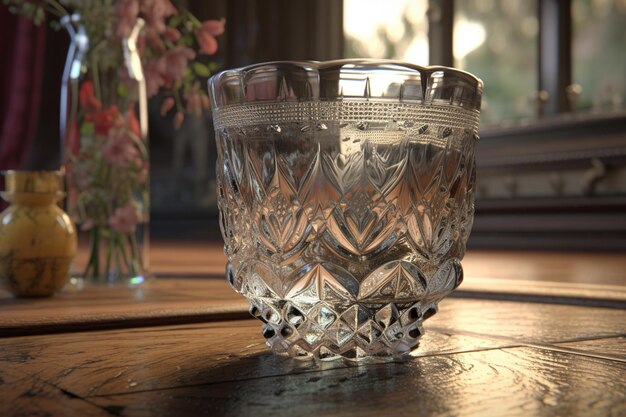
(205, 102)
(167, 105)
(206, 34)
(127, 11)
(178, 119)
(118, 148)
(125, 219)
(137, 162)
(156, 11)
(154, 76)
(142, 176)
(87, 224)
(172, 34)
(154, 41)
(175, 63)
(194, 102)
(166, 70)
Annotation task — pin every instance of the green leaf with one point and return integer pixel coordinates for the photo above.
(175, 21)
(187, 40)
(86, 129)
(122, 90)
(188, 73)
(214, 66)
(39, 16)
(201, 69)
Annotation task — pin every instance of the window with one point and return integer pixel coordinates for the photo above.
(498, 40)
(393, 30)
(600, 72)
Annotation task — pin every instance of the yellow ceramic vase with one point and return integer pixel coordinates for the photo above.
(37, 238)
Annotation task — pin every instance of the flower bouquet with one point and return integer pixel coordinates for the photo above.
(122, 52)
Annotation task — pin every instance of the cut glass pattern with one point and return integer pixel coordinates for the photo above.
(344, 219)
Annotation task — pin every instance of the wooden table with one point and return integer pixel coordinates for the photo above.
(526, 334)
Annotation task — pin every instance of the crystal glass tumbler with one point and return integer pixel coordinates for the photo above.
(346, 196)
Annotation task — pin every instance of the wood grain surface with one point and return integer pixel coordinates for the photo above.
(173, 301)
(613, 346)
(169, 356)
(24, 395)
(528, 322)
(525, 336)
(224, 369)
(184, 300)
(154, 303)
(502, 382)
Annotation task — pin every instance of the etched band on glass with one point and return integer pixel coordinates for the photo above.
(347, 111)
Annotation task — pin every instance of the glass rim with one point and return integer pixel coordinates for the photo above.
(313, 65)
(326, 81)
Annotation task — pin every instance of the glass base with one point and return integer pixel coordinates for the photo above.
(357, 332)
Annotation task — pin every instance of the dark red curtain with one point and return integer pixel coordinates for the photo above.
(22, 57)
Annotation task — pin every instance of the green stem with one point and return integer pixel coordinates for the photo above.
(94, 258)
(178, 100)
(54, 11)
(95, 62)
(118, 262)
(140, 144)
(109, 253)
(193, 18)
(135, 253)
(88, 267)
(96, 250)
(127, 262)
(58, 7)
(96, 75)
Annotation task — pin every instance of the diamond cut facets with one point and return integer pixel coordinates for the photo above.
(325, 317)
(355, 316)
(295, 317)
(329, 315)
(311, 333)
(344, 332)
(326, 354)
(387, 315)
(370, 332)
(393, 280)
(447, 277)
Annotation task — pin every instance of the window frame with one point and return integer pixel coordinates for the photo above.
(566, 139)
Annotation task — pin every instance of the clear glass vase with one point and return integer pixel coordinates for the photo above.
(105, 152)
(346, 196)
